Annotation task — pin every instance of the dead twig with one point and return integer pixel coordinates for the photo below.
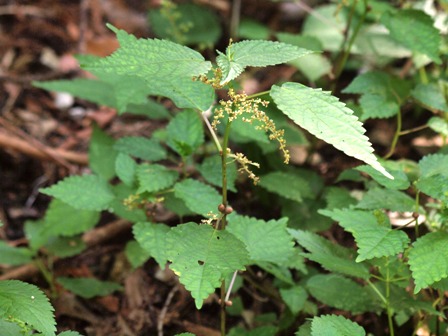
(161, 318)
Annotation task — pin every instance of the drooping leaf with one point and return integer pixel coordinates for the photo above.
(335, 325)
(102, 154)
(328, 119)
(198, 197)
(266, 241)
(428, 259)
(373, 240)
(151, 59)
(185, 133)
(89, 287)
(62, 219)
(294, 297)
(125, 168)
(415, 30)
(241, 55)
(27, 303)
(202, 256)
(11, 255)
(342, 293)
(136, 254)
(400, 181)
(394, 200)
(334, 258)
(140, 147)
(154, 177)
(152, 237)
(86, 192)
(289, 185)
(211, 170)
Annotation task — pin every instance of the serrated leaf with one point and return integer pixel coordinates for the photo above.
(202, 256)
(10, 328)
(335, 325)
(136, 254)
(211, 170)
(154, 177)
(438, 125)
(176, 205)
(428, 259)
(62, 219)
(152, 237)
(185, 132)
(434, 186)
(400, 181)
(140, 147)
(288, 185)
(151, 59)
(394, 200)
(125, 168)
(342, 293)
(198, 197)
(27, 303)
(433, 164)
(294, 297)
(119, 208)
(241, 54)
(333, 258)
(86, 192)
(88, 287)
(415, 30)
(339, 198)
(102, 154)
(14, 256)
(328, 119)
(373, 240)
(430, 96)
(265, 241)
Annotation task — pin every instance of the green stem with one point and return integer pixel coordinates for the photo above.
(258, 94)
(46, 274)
(417, 204)
(423, 75)
(389, 311)
(396, 136)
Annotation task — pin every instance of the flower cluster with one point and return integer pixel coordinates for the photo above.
(214, 81)
(244, 164)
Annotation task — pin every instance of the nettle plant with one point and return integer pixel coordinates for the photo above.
(392, 271)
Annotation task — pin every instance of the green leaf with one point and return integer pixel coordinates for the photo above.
(88, 287)
(69, 333)
(415, 30)
(185, 133)
(125, 168)
(260, 331)
(438, 125)
(198, 197)
(265, 241)
(431, 97)
(288, 185)
(241, 55)
(294, 297)
(10, 255)
(433, 164)
(400, 181)
(154, 177)
(86, 192)
(140, 147)
(333, 258)
(10, 328)
(64, 247)
(136, 254)
(339, 198)
(151, 59)
(394, 200)
(328, 119)
(152, 237)
(342, 293)
(335, 325)
(62, 219)
(150, 109)
(428, 259)
(27, 303)
(211, 170)
(434, 186)
(202, 256)
(120, 206)
(253, 30)
(373, 240)
(102, 154)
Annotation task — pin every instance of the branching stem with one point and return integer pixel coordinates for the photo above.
(396, 136)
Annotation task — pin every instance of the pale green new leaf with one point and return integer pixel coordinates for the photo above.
(89, 287)
(198, 197)
(394, 200)
(211, 170)
(265, 241)
(154, 177)
(185, 132)
(415, 30)
(342, 293)
(202, 256)
(102, 154)
(13, 255)
(333, 258)
(327, 118)
(241, 54)
(335, 325)
(140, 147)
(152, 238)
(294, 297)
(373, 240)
(151, 59)
(27, 303)
(86, 192)
(289, 185)
(428, 259)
